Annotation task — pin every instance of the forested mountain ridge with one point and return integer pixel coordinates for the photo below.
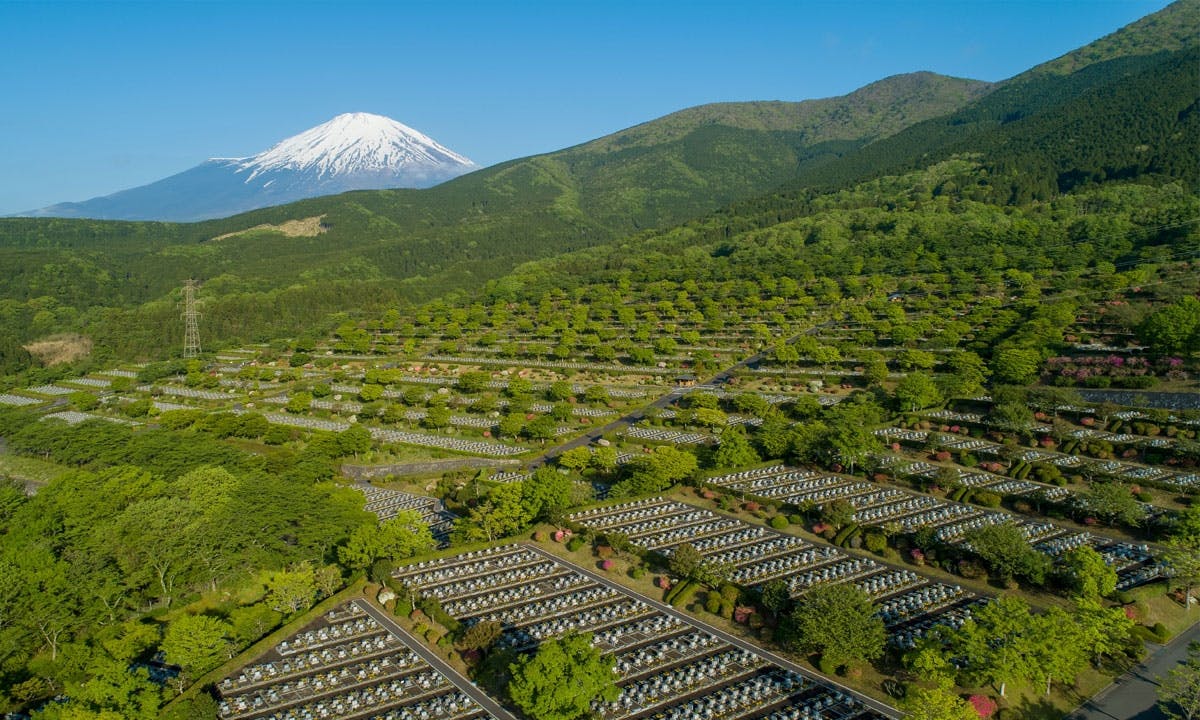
(1173, 28)
(379, 247)
(1129, 116)
(1123, 106)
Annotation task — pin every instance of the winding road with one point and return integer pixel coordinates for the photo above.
(1134, 695)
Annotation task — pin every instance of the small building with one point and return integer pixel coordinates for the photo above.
(685, 380)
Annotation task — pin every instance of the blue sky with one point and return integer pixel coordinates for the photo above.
(102, 96)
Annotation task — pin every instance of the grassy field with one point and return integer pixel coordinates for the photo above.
(38, 472)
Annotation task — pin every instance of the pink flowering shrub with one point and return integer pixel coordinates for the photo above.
(984, 706)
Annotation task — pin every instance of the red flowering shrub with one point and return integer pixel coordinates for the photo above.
(752, 506)
(607, 564)
(984, 706)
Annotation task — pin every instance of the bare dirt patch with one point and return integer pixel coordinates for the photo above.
(305, 227)
(58, 349)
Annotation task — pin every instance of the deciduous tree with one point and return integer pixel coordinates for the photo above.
(560, 680)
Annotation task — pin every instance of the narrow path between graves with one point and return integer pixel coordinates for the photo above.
(418, 646)
(731, 639)
(661, 403)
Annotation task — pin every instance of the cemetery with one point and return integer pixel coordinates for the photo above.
(345, 666)
(667, 664)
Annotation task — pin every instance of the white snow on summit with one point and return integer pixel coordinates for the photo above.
(356, 151)
(356, 143)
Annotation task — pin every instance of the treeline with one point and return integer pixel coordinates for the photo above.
(1046, 134)
(97, 570)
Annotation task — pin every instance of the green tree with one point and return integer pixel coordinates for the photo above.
(838, 621)
(559, 390)
(657, 471)
(1091, 576)
(197, 643)
(1174, 329)
(502, 513)
(575, 459)
(604, 459)
(596, 394)
(562, 679)
(293, 589)
(1179, 690)
(910, 359)
(511, 425)
(354, 440)
(299, 402)
(709, 418)
(1016, 366)
(936, 703)
(1058, 651)
(998, 645)
(396, 538)
(1102, 630)
(547, 493)
(968, 372)
(472, 382)
(686, 561)
(541, 428)
(849, 435)
(774, 436)
(1113, 502)
(437, 417)
(481, 636)
(735, 450)
(1007, 553)
(917, 391)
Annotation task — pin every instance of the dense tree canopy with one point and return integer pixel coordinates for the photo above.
(562, 678)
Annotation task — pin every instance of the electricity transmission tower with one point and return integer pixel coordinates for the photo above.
(191, 318)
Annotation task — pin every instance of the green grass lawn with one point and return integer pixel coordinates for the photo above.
(30, 469)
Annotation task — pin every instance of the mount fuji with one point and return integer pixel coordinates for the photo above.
(354, 151)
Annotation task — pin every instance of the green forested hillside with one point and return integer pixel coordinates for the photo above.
(114, 279)
(1128, 115)
(1121, 107)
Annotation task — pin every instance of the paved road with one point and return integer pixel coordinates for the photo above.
(1134, 695)
(661, 403)
(731, 639)
(417, 646)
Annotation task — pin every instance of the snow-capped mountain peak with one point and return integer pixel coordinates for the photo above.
(355, 151)
(355, 143)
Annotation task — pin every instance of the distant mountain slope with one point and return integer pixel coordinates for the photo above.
(1083, 115)
(1033, 136)
(355, 151)
(652, 175)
